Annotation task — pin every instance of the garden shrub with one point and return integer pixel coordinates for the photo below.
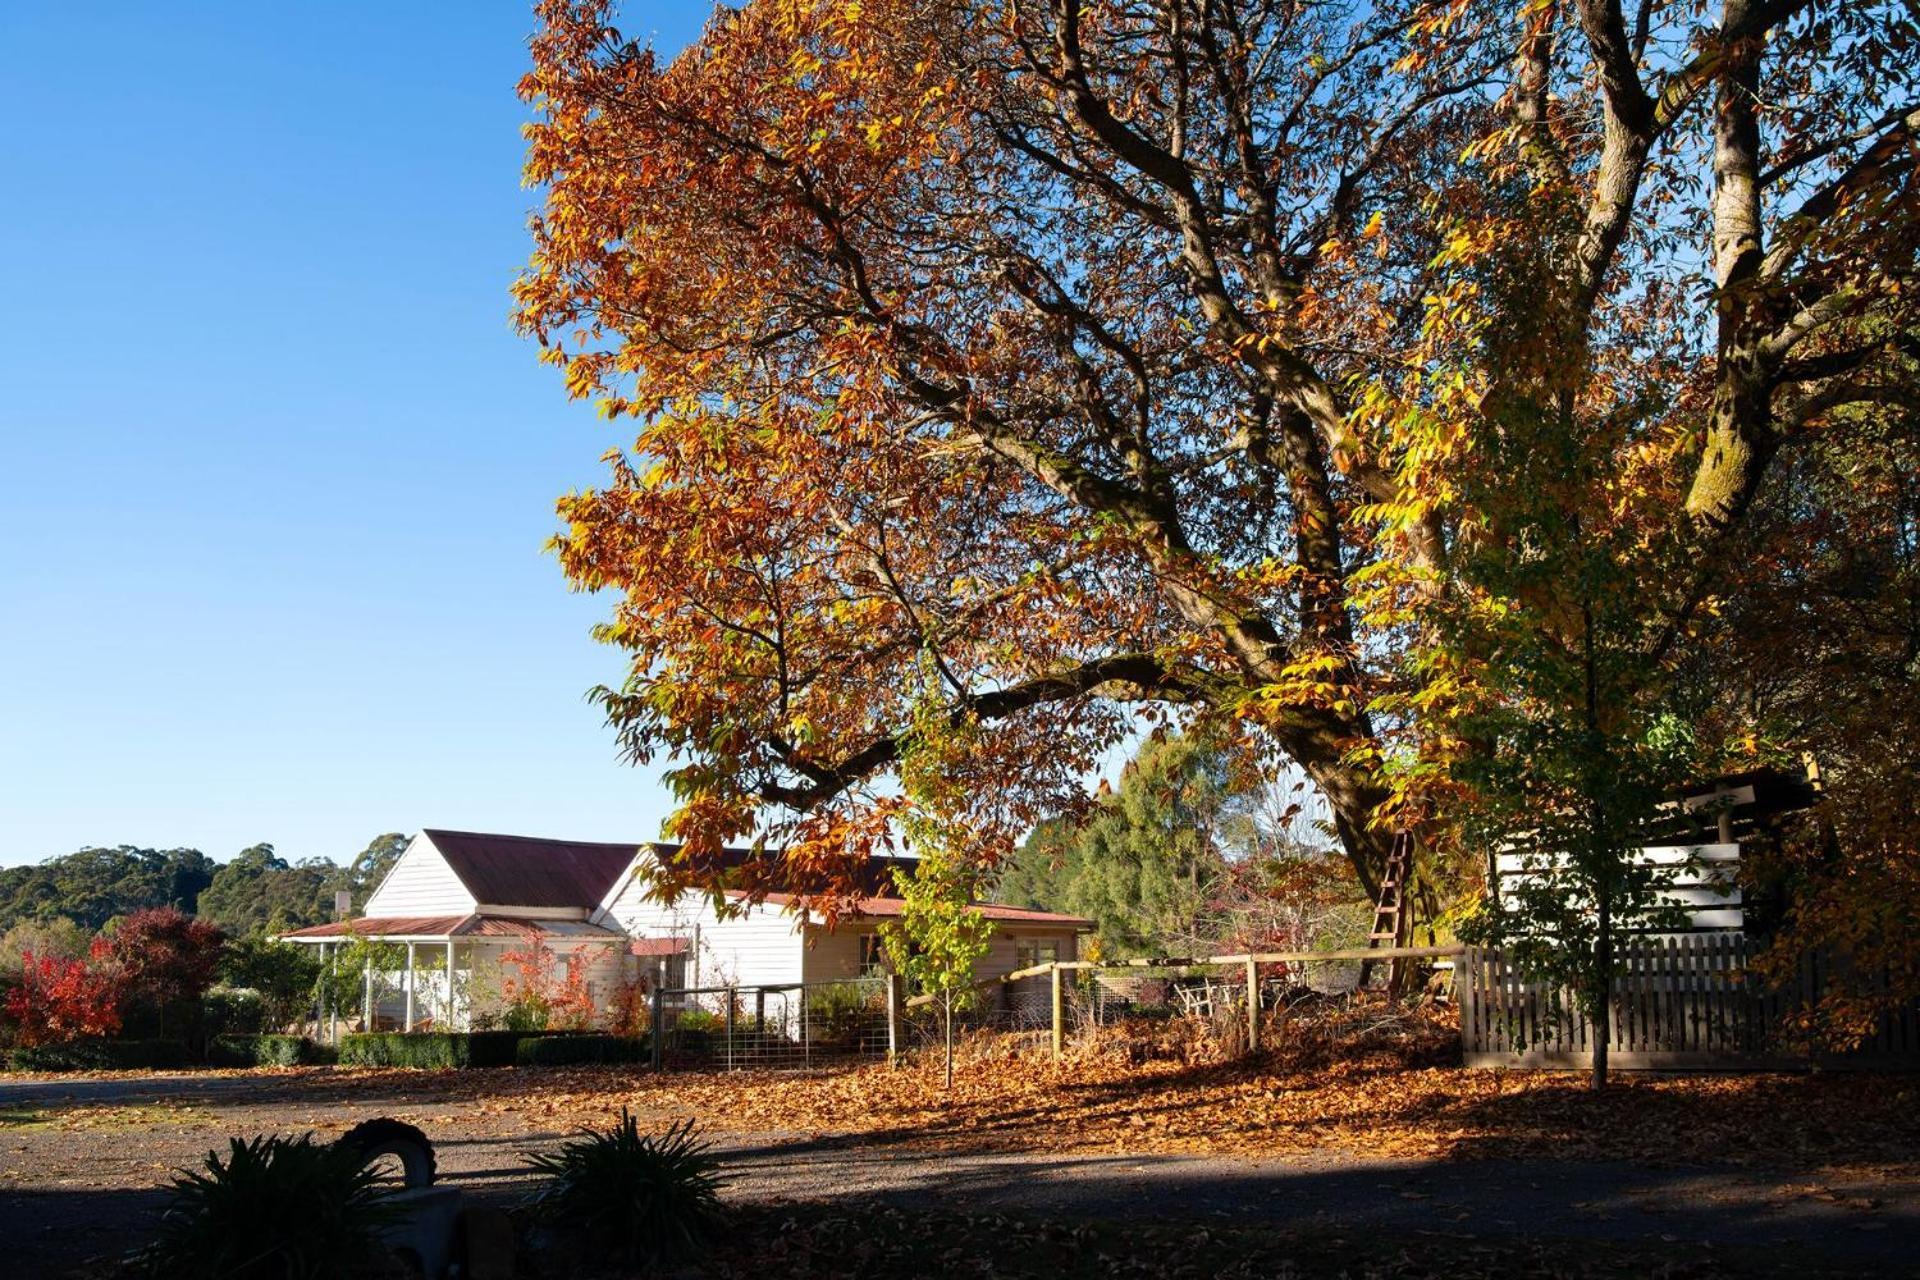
(232, 1011)
(566, 1050)
(840, 1012)
(494, 1048)
(647, 1197)
(276, 1208)
(102, 1055)
(701, 1020)
(440, 1048)
(268, 1050)
(406, 1049)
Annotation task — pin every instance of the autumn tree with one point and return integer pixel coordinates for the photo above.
(55, 999)
(1128, 358)
(162, 960)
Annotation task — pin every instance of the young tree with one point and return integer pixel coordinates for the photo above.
(285, 974)
(939, 938)
(1123, 355)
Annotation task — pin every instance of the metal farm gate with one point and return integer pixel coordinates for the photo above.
(771, 1027)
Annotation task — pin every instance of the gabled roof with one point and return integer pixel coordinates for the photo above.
(526, 871)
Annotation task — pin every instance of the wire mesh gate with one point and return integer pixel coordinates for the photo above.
(781, 1026)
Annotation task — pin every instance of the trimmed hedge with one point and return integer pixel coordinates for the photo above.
(103, 1055)
(568, 1050)
(406, 1049)
(266, 1050)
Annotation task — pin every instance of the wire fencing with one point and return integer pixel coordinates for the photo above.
(820, 1024)
(771, 1027)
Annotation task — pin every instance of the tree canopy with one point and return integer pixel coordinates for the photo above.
(1187, 855)
(255, 891)
(1144, 358)
(92, 886)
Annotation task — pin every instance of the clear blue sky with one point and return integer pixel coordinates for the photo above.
(274, 471)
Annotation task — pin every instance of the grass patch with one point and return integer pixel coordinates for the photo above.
(101, 1119)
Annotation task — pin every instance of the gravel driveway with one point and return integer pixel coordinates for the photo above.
(80, 1161)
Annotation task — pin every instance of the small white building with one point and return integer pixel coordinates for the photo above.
(478, 906)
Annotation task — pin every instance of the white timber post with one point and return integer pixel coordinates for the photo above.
(366, 996)
(1059, 1014)
(1253, 1006)
(408, 1024)
(333, 994)
(450, 1014)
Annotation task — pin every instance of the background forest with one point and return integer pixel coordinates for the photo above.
(78, 894)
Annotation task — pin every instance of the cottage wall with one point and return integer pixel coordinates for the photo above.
(420, 884)
(760, 948)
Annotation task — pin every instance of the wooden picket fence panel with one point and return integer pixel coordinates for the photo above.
(1686, 1001)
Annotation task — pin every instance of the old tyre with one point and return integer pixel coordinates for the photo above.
(384, 1137)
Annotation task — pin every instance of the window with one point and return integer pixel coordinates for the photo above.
(873, 956)
(1033, 951)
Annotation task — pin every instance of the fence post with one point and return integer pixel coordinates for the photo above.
(733, 998)
(893, 1018)
(1253, 1006)
(659, 1026)
(1059, 1015)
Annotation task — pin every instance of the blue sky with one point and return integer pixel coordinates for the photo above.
(275, 473)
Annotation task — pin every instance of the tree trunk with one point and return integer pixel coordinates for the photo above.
(1602, 994)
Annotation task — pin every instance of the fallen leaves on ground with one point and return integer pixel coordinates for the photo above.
(1147, 1090)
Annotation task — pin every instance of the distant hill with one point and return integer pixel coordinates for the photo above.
(255, 891)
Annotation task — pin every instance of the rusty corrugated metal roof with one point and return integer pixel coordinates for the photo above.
(526, 871)
(885, 908)
(467, 926)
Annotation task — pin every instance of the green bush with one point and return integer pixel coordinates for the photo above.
(647, 1197)
(840, 1012)
(275, 1209)
(266, 1051)
(406, 1049)
(103, 1055)
(701, 1020)
(231, 1011)
(566, 1050)
(494, 1048)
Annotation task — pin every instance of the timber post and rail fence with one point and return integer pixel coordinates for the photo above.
(1682, 1002)
(1250, 962)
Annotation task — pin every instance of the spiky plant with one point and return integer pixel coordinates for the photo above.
(651, 1197)
(276, 1208)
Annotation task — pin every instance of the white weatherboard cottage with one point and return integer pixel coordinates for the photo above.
(464, 902)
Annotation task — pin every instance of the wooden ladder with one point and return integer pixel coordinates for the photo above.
(1392, 920)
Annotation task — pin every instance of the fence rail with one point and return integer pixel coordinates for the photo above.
(773, 1026)
(1685, 1001)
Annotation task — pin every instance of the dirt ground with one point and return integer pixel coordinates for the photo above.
(1813, 1175)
